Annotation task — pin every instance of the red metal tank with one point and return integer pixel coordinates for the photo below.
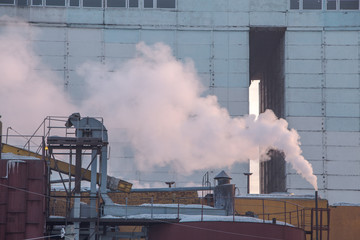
(22, 198)
(224, 230)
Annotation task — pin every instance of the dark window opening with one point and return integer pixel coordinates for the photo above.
(165, 3)
(267, 64)
(22, 2)
(92, 3)
(36, 2)
(6, 1)
(349, 4)
(74, 3)
(55, 2)
(312, 4)
(133, 3)
(116, 3)
(294, 4)
(331, 4)
(148, 4)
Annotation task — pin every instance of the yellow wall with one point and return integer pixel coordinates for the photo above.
(345, 223)
(298, 210)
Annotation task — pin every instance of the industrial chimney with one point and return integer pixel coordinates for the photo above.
(224, 193)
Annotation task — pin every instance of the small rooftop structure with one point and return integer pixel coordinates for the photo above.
(223, 178)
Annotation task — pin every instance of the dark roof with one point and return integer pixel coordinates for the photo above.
(222, 174)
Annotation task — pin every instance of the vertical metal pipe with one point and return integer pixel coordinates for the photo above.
(297, 216)
(126, 209)
(263, 207)
(316, 215)
(285, 212)
(152, 205)
(0, 138)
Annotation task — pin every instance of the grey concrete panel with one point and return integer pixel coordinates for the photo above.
(268, 5)
(342, 52)
(343, 138)
(56, 63)
(129, 36)
(194, 51)
(192, 19)
(345, 124)
(120, 49)
(235, 6)
(343, 109)
(238, 19)
(204, 5)
(305, 123)
(337, 80)
(297, 182)
(238, 108)
(75, 61)
(304, 109)
(194, 37)
(84, 35)
(344, 182)
(304, 38)
(220, 19)
(304, 52)
(303, 95)
(84, 15)
(340, 196)
(221, 93)
(221, 79)
(202, 65)
(317, 165)
(342, 95)
(341, 18)
(304, 19)
(298, 80)
(343, 153)
(341, 38)
(50, 48)
(311, 138)
(49, 34)
(312, 152)
(304, 66)
(238, 80)
(152, 37)
(274, 19)
(238, 94)
(342, 66)
(343, 167)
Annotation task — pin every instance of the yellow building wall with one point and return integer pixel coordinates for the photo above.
(296, 212)
(345, 223)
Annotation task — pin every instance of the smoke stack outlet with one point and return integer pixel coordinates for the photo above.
(224, 193)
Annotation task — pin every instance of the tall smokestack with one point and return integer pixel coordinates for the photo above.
(316, 215)
(0, 137)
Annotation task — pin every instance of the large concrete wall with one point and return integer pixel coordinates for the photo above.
(322, 66)
(323, 104)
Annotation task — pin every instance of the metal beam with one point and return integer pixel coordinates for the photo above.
(64, 167)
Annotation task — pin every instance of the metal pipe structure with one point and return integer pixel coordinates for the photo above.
(248, 181)
(177, 189)
(316, 215)
(0, 138)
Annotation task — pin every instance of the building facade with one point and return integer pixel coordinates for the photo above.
(305, 52)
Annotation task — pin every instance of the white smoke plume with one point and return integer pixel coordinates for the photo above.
(157, 100)
(153, 97)
(29, 91)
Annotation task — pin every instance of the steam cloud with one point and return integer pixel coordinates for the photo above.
(154, 98)
(29, 91)
(157, 100)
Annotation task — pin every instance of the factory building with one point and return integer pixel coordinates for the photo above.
(304, 52)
